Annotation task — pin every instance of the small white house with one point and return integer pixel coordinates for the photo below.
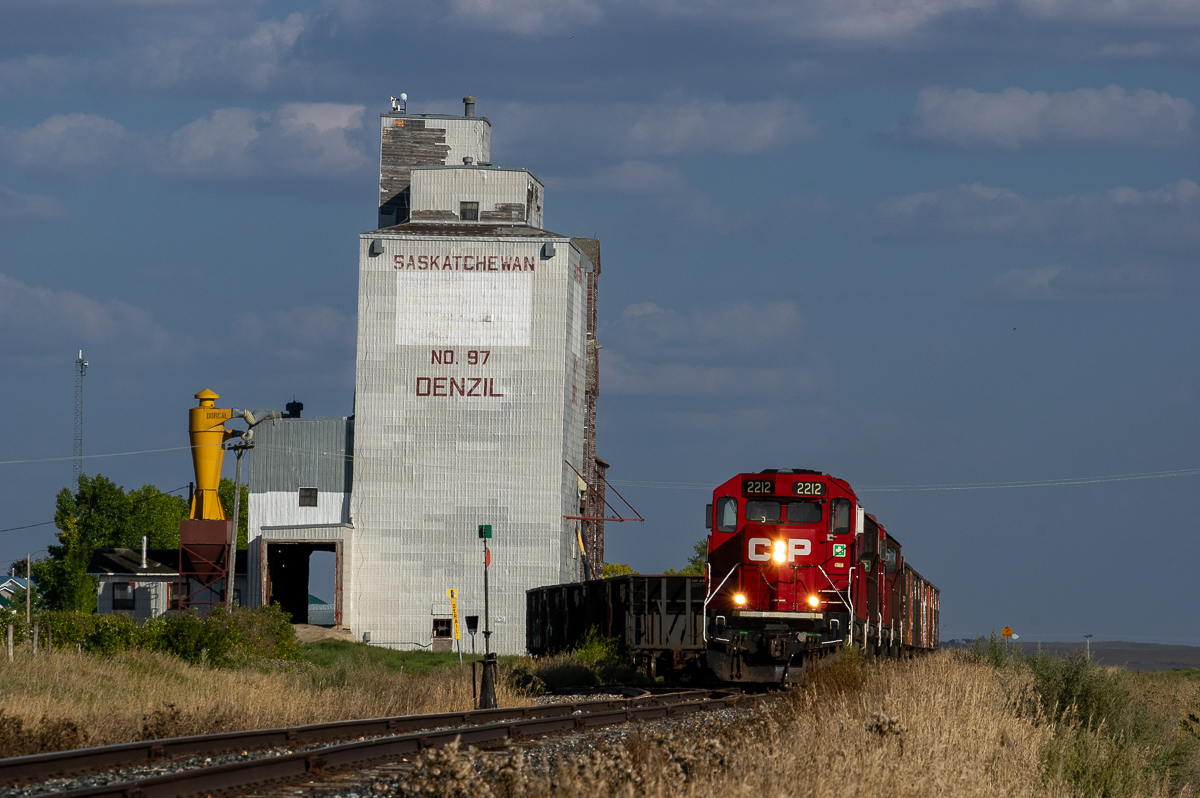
(9, 587)
(145, 584)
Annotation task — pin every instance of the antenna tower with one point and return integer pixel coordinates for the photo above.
(80, 369)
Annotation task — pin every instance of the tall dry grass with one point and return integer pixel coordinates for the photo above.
(938, 726)
(67, 699)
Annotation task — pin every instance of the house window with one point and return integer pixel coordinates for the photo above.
(308, 497)
(468, 211)
(173, 596)
(122, 595)
(442, 627)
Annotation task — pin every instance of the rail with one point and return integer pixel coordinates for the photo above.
(711, 596)
(472, 727)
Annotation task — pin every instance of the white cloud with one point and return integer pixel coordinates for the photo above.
(309, 337)
(296, 140)
(1072, 283)
(16, 208)
(38, 323)
(1016, 119)
(834, 19)
(252, 53)
(1165, 218)
(709, 352)
(70, 144)
(631, 177)
(671, 126)
(32, 73)
(1134, 13)
(535, 17)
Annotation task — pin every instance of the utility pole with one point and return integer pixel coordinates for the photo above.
(487, 683)
(240, 448)
(80, 369)
(28, 591)
(1087, 642)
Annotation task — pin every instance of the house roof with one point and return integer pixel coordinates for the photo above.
(13, 583)
(159, 562)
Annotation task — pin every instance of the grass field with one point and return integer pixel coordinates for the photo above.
(977, 723)
(66, 699)
(942, 725)
(328, 653)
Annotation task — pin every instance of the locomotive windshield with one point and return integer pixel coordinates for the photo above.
(772, 512)
(803, 512)
(763, 512)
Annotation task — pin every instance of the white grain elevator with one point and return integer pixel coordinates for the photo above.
(475, 391)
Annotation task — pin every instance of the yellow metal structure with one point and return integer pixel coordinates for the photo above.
(206, 428)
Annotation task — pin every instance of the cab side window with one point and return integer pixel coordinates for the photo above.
(839, 512)
(727, 515)
(889, 559)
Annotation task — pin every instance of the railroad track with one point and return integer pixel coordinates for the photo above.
(387, 738)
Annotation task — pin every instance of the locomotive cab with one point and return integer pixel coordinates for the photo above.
(783, 548)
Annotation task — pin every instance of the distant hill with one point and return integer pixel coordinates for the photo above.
(1133, 656)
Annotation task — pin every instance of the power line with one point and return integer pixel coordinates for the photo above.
(1024, 483)
(47, 523)
(27, 526)
(94, 456)
(1040, 483)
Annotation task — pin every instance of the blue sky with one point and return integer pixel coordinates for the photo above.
(912, 243)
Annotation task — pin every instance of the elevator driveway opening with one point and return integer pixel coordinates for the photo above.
(288, 573)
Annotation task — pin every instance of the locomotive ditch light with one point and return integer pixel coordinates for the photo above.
(739, 599)
(779, 554)
(814, 601)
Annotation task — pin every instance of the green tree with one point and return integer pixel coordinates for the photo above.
(617, 569)
(695, 564)
(156, 515)
(225, 494)
(100, 514)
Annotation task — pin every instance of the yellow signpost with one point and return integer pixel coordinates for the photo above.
(452, 594)
(1005, 632)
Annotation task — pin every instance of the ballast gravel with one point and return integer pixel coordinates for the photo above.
(169, 766)
(540, 755)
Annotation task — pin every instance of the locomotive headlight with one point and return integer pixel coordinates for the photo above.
(739, 599)
(779, 554)
(814, 601)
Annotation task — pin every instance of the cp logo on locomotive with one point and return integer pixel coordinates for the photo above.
(759, 549)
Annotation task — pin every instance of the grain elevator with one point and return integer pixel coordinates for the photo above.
(475, 394)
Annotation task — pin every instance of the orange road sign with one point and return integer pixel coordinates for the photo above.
(1006, 631)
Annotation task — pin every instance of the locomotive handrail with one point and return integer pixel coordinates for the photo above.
(849, 601)
(710, 596)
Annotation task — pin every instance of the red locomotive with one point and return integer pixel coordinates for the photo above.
(796, 568)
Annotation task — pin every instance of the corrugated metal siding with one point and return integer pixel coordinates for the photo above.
(294, 453)
(290, 454)
(429, 469)
(511, 193)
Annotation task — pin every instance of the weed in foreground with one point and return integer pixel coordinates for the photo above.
(66, 699)
(959, 736)
(595, 660)
(1114, 734)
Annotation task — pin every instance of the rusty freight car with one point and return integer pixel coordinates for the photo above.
(658, 619)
